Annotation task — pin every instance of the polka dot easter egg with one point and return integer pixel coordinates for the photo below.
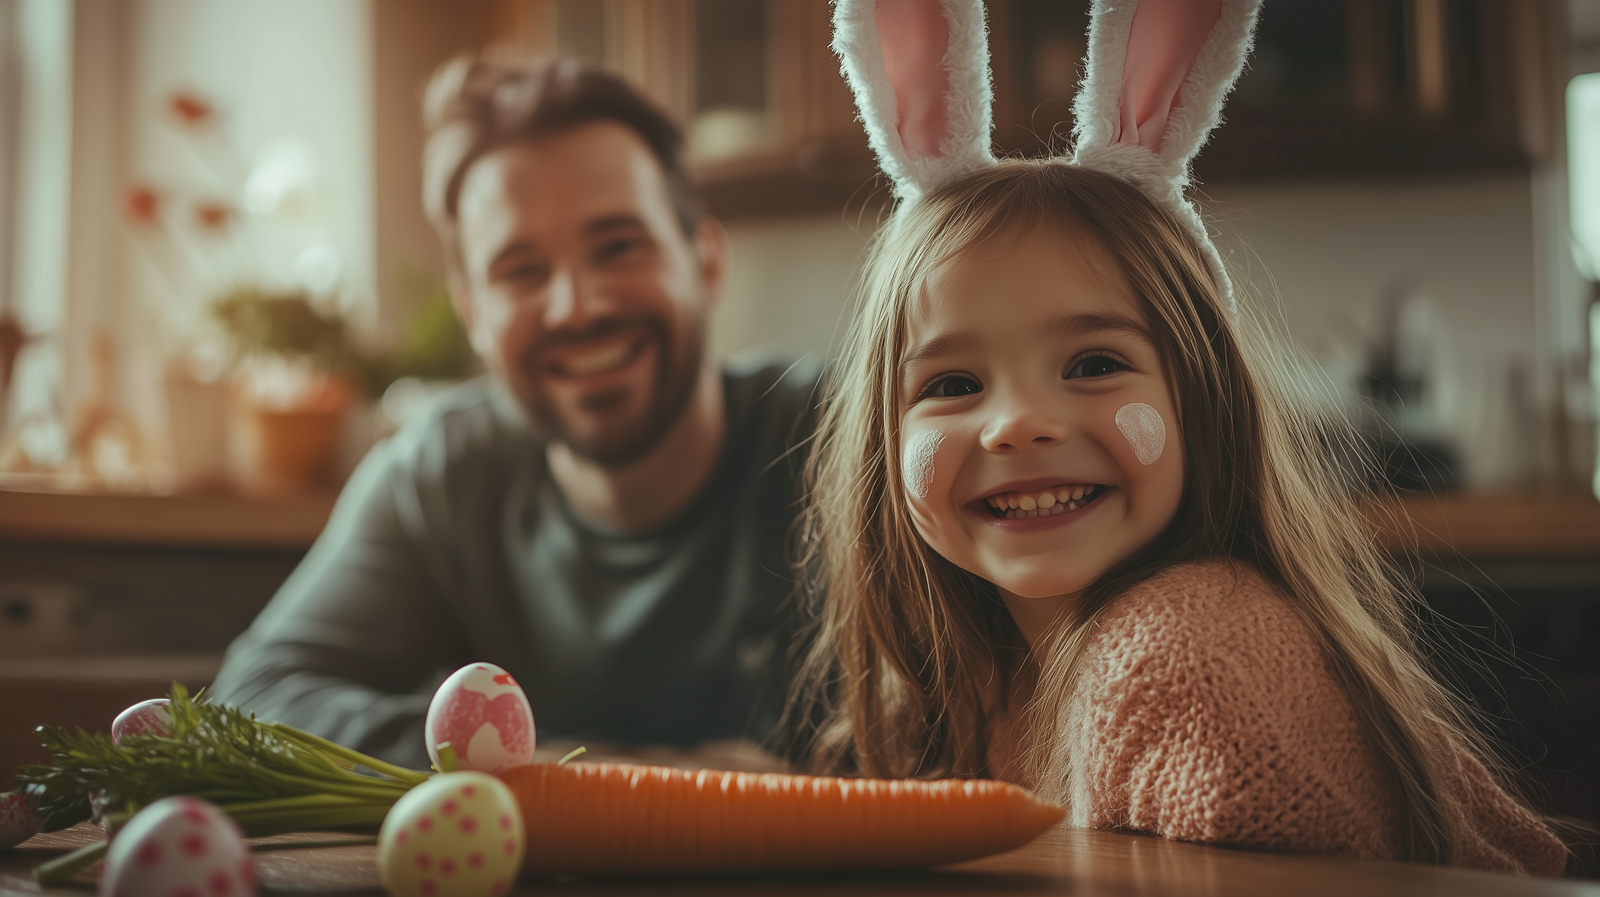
(179, 847)
(482, 714)
(18, 819)
(144, 718)
(458, 834)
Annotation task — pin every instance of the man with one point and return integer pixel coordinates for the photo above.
(606, 514)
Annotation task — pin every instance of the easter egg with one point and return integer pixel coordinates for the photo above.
(144, 718)
(482, 713)
(179, 847)
(19, 820)
(459, 834)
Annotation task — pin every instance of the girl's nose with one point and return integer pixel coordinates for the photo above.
(1022, 424)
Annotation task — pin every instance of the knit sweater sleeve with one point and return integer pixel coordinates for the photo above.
(1209, 715)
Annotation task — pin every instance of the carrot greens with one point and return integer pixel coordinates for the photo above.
(270, 778)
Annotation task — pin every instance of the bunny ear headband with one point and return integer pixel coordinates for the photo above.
(1157, 73)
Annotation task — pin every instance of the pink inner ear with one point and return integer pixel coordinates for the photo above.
(914, 36)
(1162, 45)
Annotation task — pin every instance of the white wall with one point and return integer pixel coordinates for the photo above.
(1329, 249)
(789, 281)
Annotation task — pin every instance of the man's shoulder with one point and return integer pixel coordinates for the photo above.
(469, 423)
(774, 388)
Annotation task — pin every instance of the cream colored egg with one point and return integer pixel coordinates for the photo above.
(458, 834)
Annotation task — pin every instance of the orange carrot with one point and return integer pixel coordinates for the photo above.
(617, 819)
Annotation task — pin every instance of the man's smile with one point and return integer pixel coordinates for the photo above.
(595, 357)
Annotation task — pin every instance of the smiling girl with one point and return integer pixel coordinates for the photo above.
(1070, 531)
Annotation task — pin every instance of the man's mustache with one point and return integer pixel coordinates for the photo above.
(601, 329)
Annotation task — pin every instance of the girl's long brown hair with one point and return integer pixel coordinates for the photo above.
(907, 644)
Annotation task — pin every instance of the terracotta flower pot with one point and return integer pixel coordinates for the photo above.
(197, 428)
(289, 449)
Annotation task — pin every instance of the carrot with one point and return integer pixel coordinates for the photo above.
(619, 819)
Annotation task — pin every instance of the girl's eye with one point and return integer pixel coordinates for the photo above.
(1094, 366)
(951, 387)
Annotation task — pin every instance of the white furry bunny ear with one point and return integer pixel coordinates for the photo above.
(1157, 74)
(920, 73)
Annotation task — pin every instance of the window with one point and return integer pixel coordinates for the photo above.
(1583, 179)
(187, 147)
(35, 173)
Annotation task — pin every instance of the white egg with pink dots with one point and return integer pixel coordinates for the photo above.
(458, 834)
(19, 819)
(179, 847)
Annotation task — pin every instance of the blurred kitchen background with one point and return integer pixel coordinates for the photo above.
(218, 289)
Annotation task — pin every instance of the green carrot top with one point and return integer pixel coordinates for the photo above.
(271, 778)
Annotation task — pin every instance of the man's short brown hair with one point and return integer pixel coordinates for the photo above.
(476, 104)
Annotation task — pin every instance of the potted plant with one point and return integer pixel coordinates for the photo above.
(299, 368)
(297, 371)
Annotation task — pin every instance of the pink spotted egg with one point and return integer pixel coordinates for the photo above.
(151, 717)
(19, 820)
(179, 847)
(482, 713)
(459, 834)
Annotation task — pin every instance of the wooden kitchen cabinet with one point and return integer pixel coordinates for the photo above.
(770, 121)
(1333, 87)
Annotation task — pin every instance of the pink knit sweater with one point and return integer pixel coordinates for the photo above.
(1206, 713)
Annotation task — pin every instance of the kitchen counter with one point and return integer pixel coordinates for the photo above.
(216, 521)
(1492, 525)
(1471, 524)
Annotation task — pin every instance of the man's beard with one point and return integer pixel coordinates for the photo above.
(670, 391)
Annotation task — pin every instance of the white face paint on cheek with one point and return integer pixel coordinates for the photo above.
(916, 461)
(1144, 429)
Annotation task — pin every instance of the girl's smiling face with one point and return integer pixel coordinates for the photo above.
(1019, 355)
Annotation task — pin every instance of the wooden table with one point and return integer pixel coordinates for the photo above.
(1062, 861)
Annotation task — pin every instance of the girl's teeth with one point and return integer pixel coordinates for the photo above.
(1044, 504)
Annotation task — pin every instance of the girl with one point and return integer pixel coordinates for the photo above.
(1070, 531)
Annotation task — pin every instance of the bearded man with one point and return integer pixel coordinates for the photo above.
(606, 513)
